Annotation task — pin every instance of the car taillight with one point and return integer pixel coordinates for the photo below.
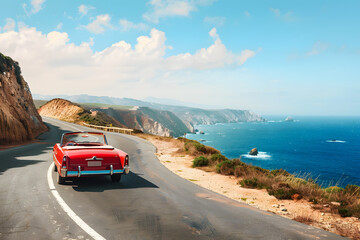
(126, 162)
(63, 165)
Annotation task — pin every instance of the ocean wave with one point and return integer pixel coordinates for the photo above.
(261, 155)
(275, 121)
(335, 141)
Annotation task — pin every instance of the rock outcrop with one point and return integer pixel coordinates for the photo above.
(19, 120)
(254, 152)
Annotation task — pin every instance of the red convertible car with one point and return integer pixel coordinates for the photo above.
(87, 153)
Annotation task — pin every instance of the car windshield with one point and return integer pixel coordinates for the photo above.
(83, 138)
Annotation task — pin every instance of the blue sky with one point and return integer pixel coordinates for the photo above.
(272, 57)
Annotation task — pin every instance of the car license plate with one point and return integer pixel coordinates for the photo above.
(94, 163)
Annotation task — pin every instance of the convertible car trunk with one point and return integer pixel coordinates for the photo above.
(92, 159)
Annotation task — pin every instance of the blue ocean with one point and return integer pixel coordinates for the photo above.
(326, 149)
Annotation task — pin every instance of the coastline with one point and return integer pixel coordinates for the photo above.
(170, 155)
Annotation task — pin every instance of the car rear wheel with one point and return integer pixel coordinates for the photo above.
(116, 177)
(60, 179)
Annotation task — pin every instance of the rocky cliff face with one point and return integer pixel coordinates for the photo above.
(189, 115)
(152, 121)
(19, 120)
(202, 116)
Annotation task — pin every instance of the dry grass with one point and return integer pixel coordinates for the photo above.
(304, 219)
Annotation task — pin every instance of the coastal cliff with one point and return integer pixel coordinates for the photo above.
(147, 120)
(144, 119)
(207, 117)
(19, 120)
(189, 115)
(67, 111)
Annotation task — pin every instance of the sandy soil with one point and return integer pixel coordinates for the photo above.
(169, 155)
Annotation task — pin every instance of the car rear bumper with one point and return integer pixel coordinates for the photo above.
(80, 173)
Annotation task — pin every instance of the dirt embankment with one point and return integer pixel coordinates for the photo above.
(19, 120)
(70, 112)
(61, 109)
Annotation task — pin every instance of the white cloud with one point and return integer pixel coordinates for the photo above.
(52, 60)
(99, 24)
(167, 8)
(288, 16)
(215, 56)
(128, 25)
(59, 26)
(36, 6)
(317, 48)
(215, 21)
(83, 9)
(9, 25)
(276, 11)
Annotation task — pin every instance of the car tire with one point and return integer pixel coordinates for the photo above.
(116, 178)
(60, 179)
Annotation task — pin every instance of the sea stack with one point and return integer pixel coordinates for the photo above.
(254, 152)
(289, 119)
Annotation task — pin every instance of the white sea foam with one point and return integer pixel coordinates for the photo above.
(261, 155)
(335, 141)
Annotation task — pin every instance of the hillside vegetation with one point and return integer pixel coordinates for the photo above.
(279, 183)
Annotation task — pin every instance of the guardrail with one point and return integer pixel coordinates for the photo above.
(110, 129)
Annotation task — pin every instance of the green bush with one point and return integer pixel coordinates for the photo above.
(249, 183)
(215, 158)
(282, 193)
(200, 161)
(227, 167)
(344, 212)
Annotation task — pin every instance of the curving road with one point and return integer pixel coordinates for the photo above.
(149, 203)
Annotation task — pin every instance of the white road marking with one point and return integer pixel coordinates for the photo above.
(68, 210)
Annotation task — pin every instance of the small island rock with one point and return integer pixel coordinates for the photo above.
(289, 119)
(254, 152)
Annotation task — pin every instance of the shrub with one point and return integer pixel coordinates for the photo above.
(344, 212)
(196, 148)
(216, 158)
(249, 183)
(240, 171)
(227, 167)
(282, 193)
(200, 161)
(278, 172)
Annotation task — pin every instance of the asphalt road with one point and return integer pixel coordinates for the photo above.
(149, 203)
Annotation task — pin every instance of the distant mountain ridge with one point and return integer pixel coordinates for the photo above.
(189, 115)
